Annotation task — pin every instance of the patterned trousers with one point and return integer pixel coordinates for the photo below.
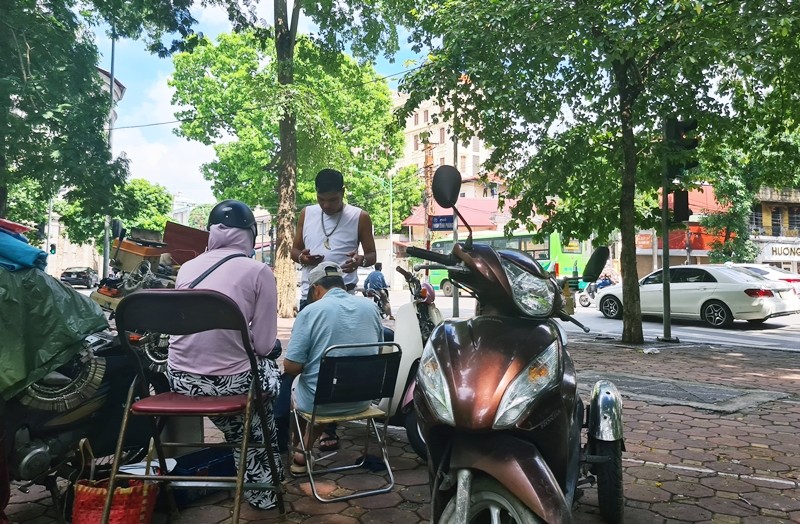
(233, 427)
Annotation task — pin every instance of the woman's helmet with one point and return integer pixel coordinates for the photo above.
(233, 213)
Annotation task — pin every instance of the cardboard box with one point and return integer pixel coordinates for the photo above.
(131, 254)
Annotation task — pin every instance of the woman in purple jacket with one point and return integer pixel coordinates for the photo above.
(215, 362)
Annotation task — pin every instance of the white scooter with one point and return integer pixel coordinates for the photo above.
(413, 325)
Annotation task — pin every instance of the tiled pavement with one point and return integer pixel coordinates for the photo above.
(683, 463)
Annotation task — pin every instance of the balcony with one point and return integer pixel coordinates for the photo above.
(770, 231)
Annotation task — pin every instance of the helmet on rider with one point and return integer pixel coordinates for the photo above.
(233, 213)
(427, 293)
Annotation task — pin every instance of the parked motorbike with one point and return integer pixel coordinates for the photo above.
(497, 395)
(44, 423)
(413, 325)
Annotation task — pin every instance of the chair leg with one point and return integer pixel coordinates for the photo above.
(112, 480)
(242, 465)
(273, 467)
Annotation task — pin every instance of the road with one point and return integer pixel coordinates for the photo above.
(781, 333)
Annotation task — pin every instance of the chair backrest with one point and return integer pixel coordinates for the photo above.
(180, 312)
(355, 378)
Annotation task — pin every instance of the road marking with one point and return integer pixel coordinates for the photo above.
(677, 467)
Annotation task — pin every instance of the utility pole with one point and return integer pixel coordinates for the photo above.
(456, 312)
(430, 209)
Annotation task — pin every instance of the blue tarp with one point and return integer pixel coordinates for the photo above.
(16, 253)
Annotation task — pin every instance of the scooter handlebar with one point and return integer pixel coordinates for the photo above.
(408, 276)
(446, 260)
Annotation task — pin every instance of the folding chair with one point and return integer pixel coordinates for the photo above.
(184, 312)
(350, 378)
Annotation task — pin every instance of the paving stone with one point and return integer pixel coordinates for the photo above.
(412, 477)
(681, 512)
(420, 494)
(384, 500)
(391, 515)
(728, 484)
(729, 507)
(785, 502)
(646, 493)
(687, 489)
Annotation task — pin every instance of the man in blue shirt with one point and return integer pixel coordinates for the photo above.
(375, 283)
(331, 317)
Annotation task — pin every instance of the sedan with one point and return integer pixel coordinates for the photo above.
(716, 294)
(80, 276)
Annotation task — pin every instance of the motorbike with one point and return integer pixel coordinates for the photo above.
(413, 325)
(44, 423)
(381, 299)
(497, 394)
(588, 295)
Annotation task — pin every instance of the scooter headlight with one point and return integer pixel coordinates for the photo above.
(534, 295)
(541, 373)
(431, 378)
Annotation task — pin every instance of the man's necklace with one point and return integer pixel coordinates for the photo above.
(327, 242)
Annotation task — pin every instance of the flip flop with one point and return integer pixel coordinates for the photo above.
(329, 443)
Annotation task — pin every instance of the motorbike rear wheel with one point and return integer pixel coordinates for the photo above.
(609, 479)
(488, 501)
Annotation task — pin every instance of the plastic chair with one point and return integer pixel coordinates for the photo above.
(184, 312)
(350, 378)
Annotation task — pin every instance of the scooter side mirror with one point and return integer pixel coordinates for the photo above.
(446, 186)
(596, 264)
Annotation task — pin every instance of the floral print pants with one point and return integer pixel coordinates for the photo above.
(233, 427)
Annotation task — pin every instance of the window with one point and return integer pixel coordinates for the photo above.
(777, 214)
(476, 165)
(572, 246)
(416, 119)
(425, 116)
(462, 165)
(757, 219)
(655, 278)
(441, 160)
(442, 136)
(476, 144)
(416, 142)
(690, 275)
(794, 220)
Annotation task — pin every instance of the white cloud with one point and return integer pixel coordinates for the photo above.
(156, 154)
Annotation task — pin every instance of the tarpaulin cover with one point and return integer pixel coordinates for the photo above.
(42, 325)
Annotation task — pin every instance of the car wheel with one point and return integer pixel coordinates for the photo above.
(611, 307)
(716, 314)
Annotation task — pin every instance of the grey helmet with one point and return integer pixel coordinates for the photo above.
(233, 213)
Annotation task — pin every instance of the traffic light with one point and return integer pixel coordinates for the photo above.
(678, 160)
(52, 249)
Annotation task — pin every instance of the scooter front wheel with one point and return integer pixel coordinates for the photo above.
(491, 502)
(414, 434)
(609, 479)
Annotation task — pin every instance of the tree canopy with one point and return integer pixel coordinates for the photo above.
(573, 97)
(138, 204)
(53, 109)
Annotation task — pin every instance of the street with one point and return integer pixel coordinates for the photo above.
(782, 333)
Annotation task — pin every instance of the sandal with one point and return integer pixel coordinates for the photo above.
(298, 469)
(329, 442)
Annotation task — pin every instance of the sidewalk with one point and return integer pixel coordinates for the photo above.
(712, 435)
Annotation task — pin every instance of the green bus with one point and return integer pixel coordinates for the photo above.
(561, 258)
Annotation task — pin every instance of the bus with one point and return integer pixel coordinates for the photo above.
(561, 258)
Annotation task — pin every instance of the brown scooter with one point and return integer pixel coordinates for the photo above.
(497, 395)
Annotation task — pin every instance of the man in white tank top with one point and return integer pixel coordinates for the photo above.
(332, 231)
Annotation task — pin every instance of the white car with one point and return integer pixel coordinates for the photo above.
(773, 273)
(716, 294)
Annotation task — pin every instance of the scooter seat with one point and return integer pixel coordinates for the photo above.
(177, 404)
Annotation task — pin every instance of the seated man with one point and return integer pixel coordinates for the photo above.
(331, 317)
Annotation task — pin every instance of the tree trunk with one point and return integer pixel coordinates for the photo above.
(287, 168)
(631, 312)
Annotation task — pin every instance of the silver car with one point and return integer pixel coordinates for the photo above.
(716, 294)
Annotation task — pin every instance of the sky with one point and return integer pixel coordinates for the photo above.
(155, 152)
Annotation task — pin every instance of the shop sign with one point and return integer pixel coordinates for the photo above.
(780, 252)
